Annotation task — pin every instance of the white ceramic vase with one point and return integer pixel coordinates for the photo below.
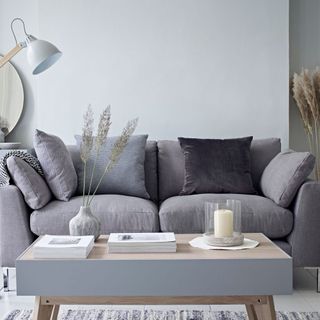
(85, 224)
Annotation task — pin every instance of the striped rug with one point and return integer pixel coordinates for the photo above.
(149, 314)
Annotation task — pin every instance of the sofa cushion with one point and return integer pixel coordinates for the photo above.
(262, 152)
(151, 169)
(127, 176)
(35, 191)
(57, 165)
(171, 164)
(150, 166)
(217, 166)
(185, 214)
(284, 175)
(117, 213)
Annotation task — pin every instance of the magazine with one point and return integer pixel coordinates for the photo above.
(55, 247)
(142, 242)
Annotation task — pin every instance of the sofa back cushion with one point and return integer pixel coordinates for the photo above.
(171, 164)
(284, 175)
(56, 163)
(150, 167)
(217, 166)
(127, 175)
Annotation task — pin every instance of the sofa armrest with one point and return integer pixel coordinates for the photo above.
(305, 236)
(15, 234)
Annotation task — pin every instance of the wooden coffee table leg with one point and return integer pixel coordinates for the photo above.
(250, 312)
(262, 311)
(55, 311)
(44, 312)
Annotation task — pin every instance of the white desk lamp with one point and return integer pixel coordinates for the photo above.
(41, 54)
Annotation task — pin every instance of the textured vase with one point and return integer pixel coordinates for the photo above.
(85, 224)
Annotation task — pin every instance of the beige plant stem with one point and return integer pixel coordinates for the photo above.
(86, 145)
(106, 170)
(116, 151)
(103, 129)
(306, 93)
(84, 183)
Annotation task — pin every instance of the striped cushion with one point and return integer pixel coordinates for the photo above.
(27, 157)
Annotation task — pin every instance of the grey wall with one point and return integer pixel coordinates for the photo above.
(304, 52)
(209, 68)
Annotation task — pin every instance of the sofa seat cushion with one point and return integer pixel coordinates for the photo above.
(117, 213)
(185, 214)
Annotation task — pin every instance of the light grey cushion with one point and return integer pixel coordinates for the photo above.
(150, 167)
(127, 177)
(57, 165)
(117, 213)
(171, 164)
(185, 214)
(284, 175)
(35, 191)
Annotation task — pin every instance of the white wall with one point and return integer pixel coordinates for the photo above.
(208, 68)
(28, 10)
(304, 53)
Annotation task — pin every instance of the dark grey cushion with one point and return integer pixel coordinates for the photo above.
(217, 166)
(171, 164)
(117, 213)
(185, 214)
(284, 175)
(35, 191)
(57, 165)
(127, 177)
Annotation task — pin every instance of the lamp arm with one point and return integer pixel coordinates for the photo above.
(11, 54)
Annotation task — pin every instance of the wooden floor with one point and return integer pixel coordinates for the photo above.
(304, 298)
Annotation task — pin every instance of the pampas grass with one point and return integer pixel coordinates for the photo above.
(306, 93)
(90, 143)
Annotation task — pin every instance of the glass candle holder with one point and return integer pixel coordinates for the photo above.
(223, 223)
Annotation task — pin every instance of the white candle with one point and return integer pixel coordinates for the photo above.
(223, 223)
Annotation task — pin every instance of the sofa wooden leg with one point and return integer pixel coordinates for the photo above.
(318, 280)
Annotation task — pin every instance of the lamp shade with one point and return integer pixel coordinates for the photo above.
(41, 54)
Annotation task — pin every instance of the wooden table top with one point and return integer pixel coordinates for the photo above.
(266, 250)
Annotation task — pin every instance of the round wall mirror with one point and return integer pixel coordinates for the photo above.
(11, 98)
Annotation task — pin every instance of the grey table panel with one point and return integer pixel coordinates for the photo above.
(154, 277)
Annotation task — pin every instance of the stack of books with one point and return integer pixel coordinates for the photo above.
(142, 242)
(63, 247)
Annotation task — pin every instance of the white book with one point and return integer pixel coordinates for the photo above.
(142, 242)
(64, 247)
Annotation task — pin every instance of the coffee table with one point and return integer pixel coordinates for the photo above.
(189, 276)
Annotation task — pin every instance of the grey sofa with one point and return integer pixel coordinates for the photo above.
(295, 229)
